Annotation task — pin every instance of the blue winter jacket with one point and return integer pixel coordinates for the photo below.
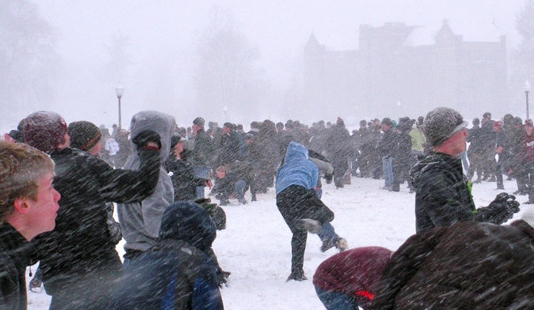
(297, 169)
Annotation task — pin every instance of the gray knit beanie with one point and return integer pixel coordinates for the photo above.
(441, 123)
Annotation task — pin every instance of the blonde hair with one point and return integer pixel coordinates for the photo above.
(20, 167)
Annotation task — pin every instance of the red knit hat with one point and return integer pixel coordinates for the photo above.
(44, 130)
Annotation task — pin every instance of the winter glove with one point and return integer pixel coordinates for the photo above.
(328, 178)
(500, 210)
(512, 206)
(142, 139)
(222, 277)
(217, 214)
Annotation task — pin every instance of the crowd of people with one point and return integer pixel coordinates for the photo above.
(156, 173)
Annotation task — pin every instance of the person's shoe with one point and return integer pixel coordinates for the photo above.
(312, 226)
(297, 276)
(253, 198)
(341, 244)
(529, 202)
(243, 201)
(224, 202)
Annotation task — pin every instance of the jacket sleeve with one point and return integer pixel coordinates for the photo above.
(127, 186)
(403, 265)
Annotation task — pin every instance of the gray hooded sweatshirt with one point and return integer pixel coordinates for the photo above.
(140, 222)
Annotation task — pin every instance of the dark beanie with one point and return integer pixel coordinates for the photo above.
(44, 130)
(199, 121)
(84, 135)
(16, 135)
(189, 222)
(387, 121)
(175, 139)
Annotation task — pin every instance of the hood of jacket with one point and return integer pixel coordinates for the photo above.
(295, 152)
(160, 122)
(188, 222)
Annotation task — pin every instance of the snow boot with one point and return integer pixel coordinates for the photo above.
(297, 276)
(341, 244)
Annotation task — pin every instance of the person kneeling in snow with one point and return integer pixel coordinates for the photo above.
(179, 272)
(347, 280)
(228, 183)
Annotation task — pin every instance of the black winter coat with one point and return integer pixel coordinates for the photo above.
(81, 243)
(469, 265)
(202, 149)
(183, 179)
(443, 196)
(387, 144)
(15, 255)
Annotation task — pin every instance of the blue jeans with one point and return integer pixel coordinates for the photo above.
(336, 301)
(240, 190)
(387, 167)
(328, 233)
(200, 172)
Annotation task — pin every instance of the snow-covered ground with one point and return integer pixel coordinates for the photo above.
(255, 247)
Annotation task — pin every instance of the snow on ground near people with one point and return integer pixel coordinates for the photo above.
(256, 248)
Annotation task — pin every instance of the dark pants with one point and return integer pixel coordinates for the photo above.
(86, 291)
(296, 203)
(341, 165)
(527, 177)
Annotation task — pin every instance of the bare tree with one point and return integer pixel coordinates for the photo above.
(227, 74)
(523, 57)
(28, 56)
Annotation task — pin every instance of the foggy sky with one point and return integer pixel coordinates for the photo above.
(164, 34)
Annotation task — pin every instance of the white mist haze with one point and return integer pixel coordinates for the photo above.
(157, 51)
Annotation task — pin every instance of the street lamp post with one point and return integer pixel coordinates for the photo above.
(225, 109)
(527, 90)
(119, 90)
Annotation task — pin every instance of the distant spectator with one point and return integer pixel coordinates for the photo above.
(181, 172)
(228, 184)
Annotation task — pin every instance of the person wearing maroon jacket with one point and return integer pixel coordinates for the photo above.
(347, 280)
(526, 159)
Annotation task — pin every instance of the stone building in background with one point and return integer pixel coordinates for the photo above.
(388, 73)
